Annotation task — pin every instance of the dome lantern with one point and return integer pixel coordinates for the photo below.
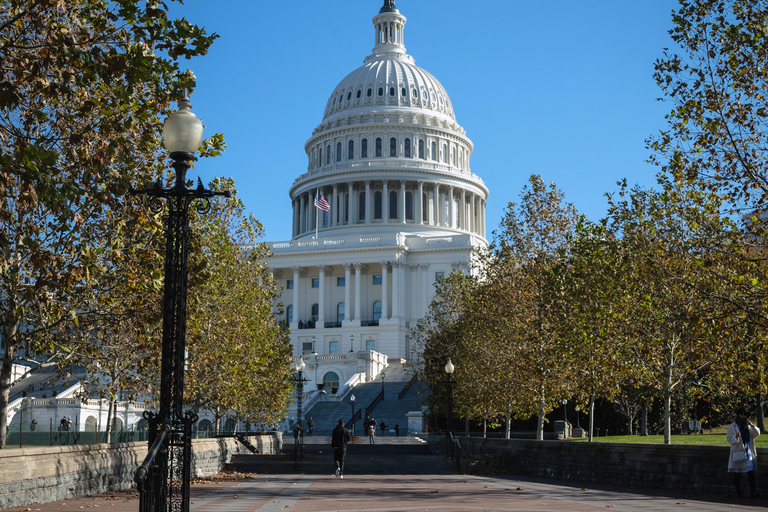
(389, 25)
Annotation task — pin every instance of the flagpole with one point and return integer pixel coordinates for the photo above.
(317, 211)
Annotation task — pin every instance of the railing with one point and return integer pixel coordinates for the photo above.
(357, 416)
(453, 451)
(332, 325)
(141, 474)
(374, 402)
(407, 386)
(368, 323)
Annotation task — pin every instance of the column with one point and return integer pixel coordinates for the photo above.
(352, 213)
(347, 288)
(482, 216)
(436, 205)
(302, 218)
(384, 290)
(368, 202)
(395, 289)
(420, 202)
(424, 294)
(402, 202)
(296, 310)
(384, 202)
(358, 293)
(473, 228)
(463, 216)
(335, 205)
(321, 299)
(451, 208)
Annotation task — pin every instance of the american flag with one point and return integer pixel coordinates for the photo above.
(321, 203)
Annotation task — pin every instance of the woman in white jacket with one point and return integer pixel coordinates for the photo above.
(741, 436)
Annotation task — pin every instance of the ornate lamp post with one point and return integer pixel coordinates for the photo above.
(449, 370)
(577, 416)
(351, 342)
(299, 433)
(565, 410)
(382, 385)
(164, 476)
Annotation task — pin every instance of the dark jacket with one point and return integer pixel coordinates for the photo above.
(340, 437)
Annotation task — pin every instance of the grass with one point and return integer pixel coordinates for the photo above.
(715, 439)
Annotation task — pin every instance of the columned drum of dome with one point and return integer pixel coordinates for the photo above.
(401, 208)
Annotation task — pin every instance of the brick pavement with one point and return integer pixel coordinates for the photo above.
(407, 493)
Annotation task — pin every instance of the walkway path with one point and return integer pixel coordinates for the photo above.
(407, 493)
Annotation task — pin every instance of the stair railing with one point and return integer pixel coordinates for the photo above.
(375, 402)
(141, 474)
(407, 386)
(357, 416)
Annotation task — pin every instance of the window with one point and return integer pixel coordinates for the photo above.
(377, 205)
(378, 146)
(392, 204)
(391, 91)
(370, 344)
(439, 276)
(341, 281)
(359, 93)
(351, 150)
(333, 347)
(444, 153)
(434, 151)
(289, 284)
(341, 97)
(338, 151)
(364, 148)
(415, 94)
(306, 347)
(349, 95)
(377, 279)
(315, 282)
(407, 148)
(424, 209)
(424, 95)
(361, 206)
(421, 149)
(404, 92)
(328, 156)
(369, 92)
(340, 312)
(289, 314)
(377, 311)
(381, 91)
(321, 156)
(315, 312)
(334, 102)
(453, 160)
(331, 382)
(392, 147)
(409, 205)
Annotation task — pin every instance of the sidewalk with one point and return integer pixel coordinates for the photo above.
(412, 493)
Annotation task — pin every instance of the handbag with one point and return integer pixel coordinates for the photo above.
(739, 455)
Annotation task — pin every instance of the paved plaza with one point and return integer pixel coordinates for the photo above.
(407, 493)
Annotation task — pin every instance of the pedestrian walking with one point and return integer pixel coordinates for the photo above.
(339, 440)
(310, 426)
(397, 429)
(743, 458)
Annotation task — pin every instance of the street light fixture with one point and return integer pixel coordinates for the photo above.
(170, 429)
(565, 411)
(449, 370)
(352, 421)
(577, 416)
(351, 342)
(299, 432)
(382, 385)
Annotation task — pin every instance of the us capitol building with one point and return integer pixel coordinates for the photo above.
(388, 204)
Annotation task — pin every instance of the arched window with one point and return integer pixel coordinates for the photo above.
(91, 424)
(377, 205)
(321, 157)
(315, 312)
(289, 314)
(377, 311)
(351, 150)
(331, 382)
(409, 205)
(381, 91)
(338, 151)
(359, 93)
(424, 212)
(391, 91)
(349, 95)
(392, 204)
(393, 147)
(369, 92)
(328, 155)
(407, 148)
(340, 312)
(205, 426)
(361, 207)
(453, 160)
(364, 148)
(433, 156)
(229, 425)
(444, 155)
(421, 149)
(378, 146)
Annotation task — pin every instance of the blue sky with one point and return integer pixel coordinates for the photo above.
(558, 88)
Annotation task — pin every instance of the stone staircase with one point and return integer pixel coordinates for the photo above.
(326, 415)
(389, 456)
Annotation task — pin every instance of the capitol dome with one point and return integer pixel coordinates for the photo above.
(388, 154)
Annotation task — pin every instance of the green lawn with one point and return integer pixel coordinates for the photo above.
(701, 439)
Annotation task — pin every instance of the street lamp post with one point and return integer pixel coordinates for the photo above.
(299, 433)
(351, 342)
(565, 411)
(382, 385)
(449, 370)
(577, 416)
(164, 478)
(352, 401)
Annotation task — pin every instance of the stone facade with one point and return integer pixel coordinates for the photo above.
(39, 475)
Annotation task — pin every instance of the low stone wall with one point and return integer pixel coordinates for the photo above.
(39, 475)
(673, 467)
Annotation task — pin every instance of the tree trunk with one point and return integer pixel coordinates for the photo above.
(485, 427)
(509, 422)
(542, 412)
(644, 418)
(108, 429)
(6, 370)
(760, 413)
(668, 407)
(591, 415)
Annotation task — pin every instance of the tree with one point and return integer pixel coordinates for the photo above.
(83, 87)
(718, 85)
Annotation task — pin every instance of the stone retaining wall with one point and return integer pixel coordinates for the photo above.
(673, 467)
(39, 475)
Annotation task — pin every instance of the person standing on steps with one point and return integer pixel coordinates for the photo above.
(743, 459)
(339, 440)
(372, 431)
(310, 426)
(382, 427)
(397, 429)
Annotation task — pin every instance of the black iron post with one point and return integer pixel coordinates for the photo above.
(382, 385)
(166, 486)
(449, 367)
(352, 401)
(351, 342)
(298, 435)
(565, 410)
(577, 416)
